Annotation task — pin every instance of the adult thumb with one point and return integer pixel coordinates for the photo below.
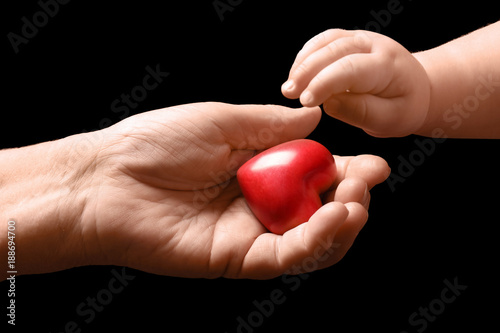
(263, 126)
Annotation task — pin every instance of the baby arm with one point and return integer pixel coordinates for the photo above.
(370, 81)
(465, 85)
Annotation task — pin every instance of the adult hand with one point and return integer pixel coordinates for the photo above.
(157, 192)
(168, 201)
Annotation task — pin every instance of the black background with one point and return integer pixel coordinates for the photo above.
(438, 224)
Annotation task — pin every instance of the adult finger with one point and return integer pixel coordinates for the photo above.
(371, 169)
(298, 249)
(257, 127)
(345, 236)
(352, 189)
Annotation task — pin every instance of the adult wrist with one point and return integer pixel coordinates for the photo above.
(45, 189)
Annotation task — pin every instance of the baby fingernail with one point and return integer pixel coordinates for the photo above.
(306, 98)
(366, 198)
(288, 85)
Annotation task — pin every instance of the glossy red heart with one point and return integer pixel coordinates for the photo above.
(283, 185)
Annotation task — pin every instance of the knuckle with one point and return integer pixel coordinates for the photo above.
(336, 47)
(302, 69)
(361, 107)
(362, 41)
(326, 35)
(319, 84)
(333, 33)
(315, 40)
(347, 64)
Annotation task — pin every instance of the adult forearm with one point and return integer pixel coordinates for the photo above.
(44, 189)
(465, 86)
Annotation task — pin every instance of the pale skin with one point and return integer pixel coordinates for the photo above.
(370, 81)
(157, 192)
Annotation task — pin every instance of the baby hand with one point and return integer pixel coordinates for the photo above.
(364, 79)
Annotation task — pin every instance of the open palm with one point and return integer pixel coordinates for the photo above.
(166, 200)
